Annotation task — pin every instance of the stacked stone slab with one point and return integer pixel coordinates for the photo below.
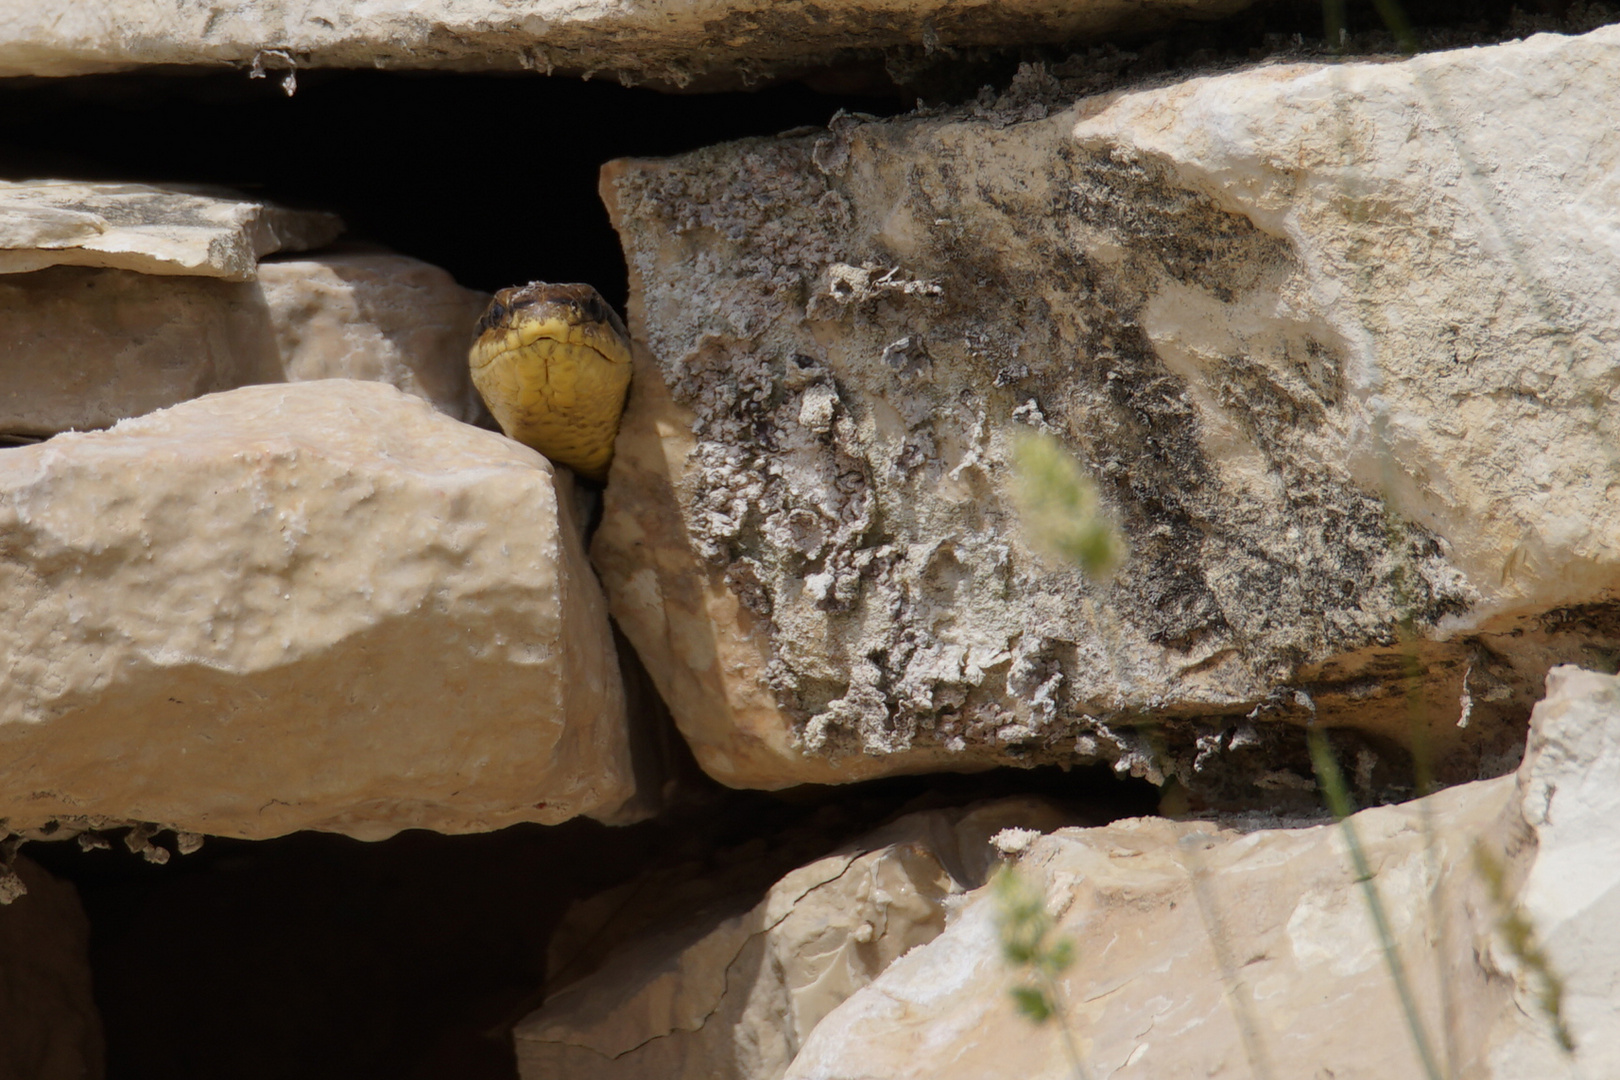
(670, 42)
(1339, 360)
(1336, 341)
(321, 603)
(1236, 948)
(141, 297)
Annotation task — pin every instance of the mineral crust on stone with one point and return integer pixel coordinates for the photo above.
(1336, 343)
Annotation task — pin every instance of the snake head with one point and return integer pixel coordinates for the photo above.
(553, 364)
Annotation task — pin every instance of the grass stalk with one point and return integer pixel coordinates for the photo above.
(1331, 779)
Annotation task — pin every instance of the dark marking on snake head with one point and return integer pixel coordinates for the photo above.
(577, 304)
(493, 317)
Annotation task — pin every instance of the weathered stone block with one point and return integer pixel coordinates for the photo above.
(312, 606)
(672, 42)
(1340, 360)
(732, 994)
(379, 317)
(86, 347)
(156, 230)
(1221, 952)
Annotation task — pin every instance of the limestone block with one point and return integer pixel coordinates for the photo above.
(733, 994)
(376, 316)
(1336, 343)
(49, 1026)
(1200, 951)
(672, 42)
(87, 347)
(156, 230)
(1227, 952)
(1569, 799)
(312, 606)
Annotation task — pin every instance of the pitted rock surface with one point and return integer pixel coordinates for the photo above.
(842, 333)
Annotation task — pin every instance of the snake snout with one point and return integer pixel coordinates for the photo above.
(552, 362)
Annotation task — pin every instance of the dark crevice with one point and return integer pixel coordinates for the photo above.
(409, 959)
(491, 177)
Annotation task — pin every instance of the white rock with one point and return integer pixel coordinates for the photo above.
(1569, 796)
(1212, 952)
(669, 41)
(379, 317)
(88, 347)
(49, 1026)
(310, 606)
(85, 348)
(732, 995)
(1336, 342)
(155, 230)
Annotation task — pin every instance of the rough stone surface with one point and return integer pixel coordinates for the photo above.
(200, 231)
(1569, 799)
(1213, 951)
(85, 347)
(1336, 342)
(379, 317)
(672, 42)
(733, 994)
(312, 606)
(49, 1027)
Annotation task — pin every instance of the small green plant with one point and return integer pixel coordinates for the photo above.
(1337, 792)
(1060, 508)
(1519, 935)
(1029, 944)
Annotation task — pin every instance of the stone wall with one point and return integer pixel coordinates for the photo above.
(1322, 344)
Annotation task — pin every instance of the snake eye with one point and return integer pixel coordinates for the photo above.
(592, 307)
(493, 316)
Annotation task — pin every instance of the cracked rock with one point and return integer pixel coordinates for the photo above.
(1258, 939)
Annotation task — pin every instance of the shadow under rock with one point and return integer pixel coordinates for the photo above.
(317, 956)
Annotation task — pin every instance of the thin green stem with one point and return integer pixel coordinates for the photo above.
(1395, 19)
(1070, 1046)
(1237, 993)
(1338, 799)
(1333, 23)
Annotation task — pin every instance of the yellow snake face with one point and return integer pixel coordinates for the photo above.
(553, 365)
